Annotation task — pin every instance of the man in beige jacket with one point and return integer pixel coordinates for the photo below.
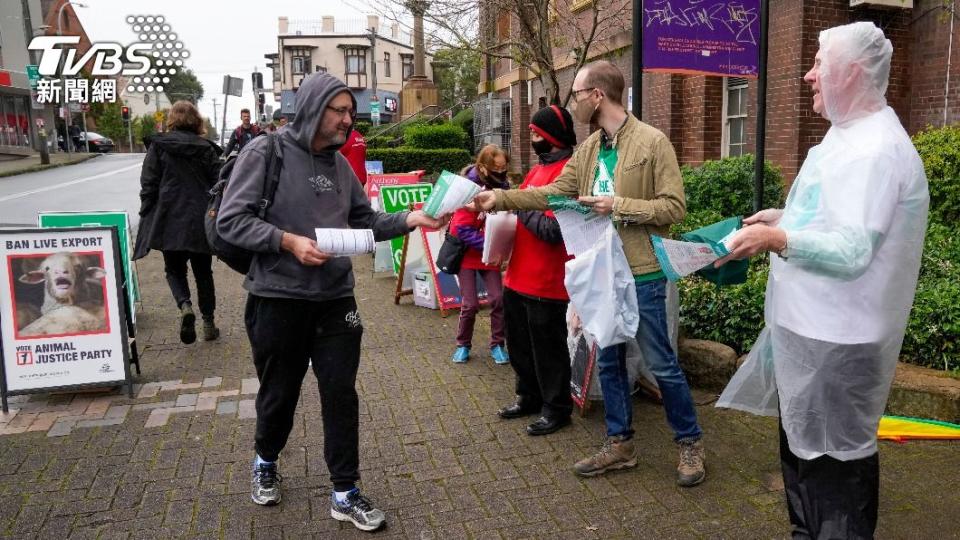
(626, 169)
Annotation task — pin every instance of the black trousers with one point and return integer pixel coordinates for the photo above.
(828, 498)
(175, 266)
(285, 336)
(537, 343)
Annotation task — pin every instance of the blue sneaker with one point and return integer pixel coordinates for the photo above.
(499, 354)
(461, 355)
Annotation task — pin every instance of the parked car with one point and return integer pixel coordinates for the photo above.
(98, 143)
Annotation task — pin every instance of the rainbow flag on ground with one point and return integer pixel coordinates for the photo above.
(902, 428)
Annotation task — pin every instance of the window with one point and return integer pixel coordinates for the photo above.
(320, 69)
(406, 66)
(735, 117)
(356, 60)
(386, 64)
(300, 61)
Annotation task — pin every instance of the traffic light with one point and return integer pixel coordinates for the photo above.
(257, 80)
(125, 113)
(262, 99)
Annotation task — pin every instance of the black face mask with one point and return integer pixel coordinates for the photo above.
(500, 176)
(542, 146)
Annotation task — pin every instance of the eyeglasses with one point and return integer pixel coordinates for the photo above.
(344, 111)
(576, 92)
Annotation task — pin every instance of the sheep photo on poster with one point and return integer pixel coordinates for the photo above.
(59, 294)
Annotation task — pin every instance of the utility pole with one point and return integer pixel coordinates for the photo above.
(214, 123)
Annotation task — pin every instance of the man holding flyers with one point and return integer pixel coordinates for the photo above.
(301, 306)
(627, 170)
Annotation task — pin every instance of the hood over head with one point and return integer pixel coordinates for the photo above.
(313, 96)
(854, 71)
(184, 143)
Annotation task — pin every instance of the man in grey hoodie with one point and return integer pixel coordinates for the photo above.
(301, 305)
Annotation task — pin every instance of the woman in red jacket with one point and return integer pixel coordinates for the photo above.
(490, 171)
(535, 300)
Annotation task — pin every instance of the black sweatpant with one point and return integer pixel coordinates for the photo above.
(537, 343)
(828, 498)
(175, 266)
(285, 336)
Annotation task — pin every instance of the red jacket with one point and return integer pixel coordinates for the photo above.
(355, 150)
(536, 267)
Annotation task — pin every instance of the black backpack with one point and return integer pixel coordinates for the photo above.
(238, 258)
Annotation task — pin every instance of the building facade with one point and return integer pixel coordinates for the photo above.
(712, 117)
(370, 63)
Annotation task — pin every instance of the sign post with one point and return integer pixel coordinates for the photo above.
(375, 111)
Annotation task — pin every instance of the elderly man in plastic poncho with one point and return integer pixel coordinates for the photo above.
(841, 284)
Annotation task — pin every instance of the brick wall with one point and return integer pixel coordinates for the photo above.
(688, 109)
(930, 37)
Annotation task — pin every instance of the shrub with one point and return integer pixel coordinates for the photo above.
(726, 186)
(400, 160)
(464, 119)
(379, 141)
(732, 315)
(940, 151)
(435, 137)
(934, 325)
(362, 127)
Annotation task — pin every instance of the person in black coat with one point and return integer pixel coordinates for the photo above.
(179, 170)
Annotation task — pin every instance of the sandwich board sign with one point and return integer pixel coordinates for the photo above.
(398, 198)
(63, 320)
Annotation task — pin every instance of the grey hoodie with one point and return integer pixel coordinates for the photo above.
(315, 190)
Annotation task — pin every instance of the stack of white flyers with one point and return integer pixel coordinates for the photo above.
(345, 242)
(678, 259)
(500, 228)
(451, 192)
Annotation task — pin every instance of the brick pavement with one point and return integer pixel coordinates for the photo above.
(174, 461)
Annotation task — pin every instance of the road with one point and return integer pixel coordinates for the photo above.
(108, 182)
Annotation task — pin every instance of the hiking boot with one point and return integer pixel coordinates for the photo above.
(265, 486)
(499, 355)
(188, 333)
(615, 453)
(461, 354)
(210, 330)
(358, 510)
(691, 471)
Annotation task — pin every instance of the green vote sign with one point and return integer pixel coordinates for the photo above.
(395, 199)
(118, 219)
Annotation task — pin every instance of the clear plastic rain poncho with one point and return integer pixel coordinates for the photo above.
(837, 306)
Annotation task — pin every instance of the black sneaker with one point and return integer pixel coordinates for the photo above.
(188, 320)
(265, 486)
(357, 509)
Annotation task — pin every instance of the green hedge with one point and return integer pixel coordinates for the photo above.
(726, 186)
(435, 137)
(378, 141)
(362, 127)
(940, 151)
(400, 160)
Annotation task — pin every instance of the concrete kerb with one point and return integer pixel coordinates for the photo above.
(917, 391)
(37, 167)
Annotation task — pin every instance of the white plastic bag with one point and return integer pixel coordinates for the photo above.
(500, 228)
(602, 290)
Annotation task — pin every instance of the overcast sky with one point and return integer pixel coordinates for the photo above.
(223, 36)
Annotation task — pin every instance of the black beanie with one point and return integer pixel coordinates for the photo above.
(554, 124)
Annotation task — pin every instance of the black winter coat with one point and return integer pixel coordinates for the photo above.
(179, 170)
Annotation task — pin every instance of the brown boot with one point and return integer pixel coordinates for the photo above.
(691, 470)
(210, 331)
(615, 453)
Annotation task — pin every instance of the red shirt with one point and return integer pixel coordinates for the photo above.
(536, 267)
(355, 150)
(473, 258)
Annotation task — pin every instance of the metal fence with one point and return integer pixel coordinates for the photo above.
(491, 123)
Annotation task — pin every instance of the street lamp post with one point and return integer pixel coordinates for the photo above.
(63, 89)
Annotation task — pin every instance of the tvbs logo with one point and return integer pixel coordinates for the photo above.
(158, 53)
